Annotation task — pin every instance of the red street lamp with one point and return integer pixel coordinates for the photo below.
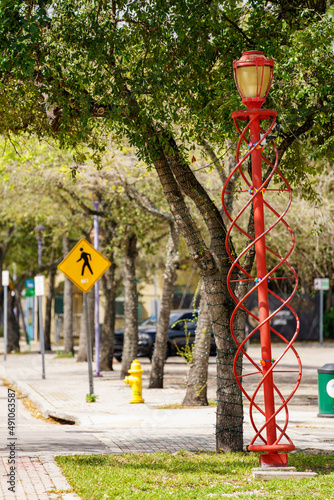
(253, 74)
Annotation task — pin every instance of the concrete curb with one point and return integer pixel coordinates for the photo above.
(268, 473)
(31, 393)
(39, 400)
(52, 468)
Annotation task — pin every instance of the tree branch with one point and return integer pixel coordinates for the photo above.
(232, 23)
(220, 170)
(144, 202)
(287, 141)
(87, 210)
(192, 188)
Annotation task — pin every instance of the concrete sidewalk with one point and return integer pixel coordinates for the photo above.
(120, 427)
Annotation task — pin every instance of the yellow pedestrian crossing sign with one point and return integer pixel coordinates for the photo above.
(84, 265)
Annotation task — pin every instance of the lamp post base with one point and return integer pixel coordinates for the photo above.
(273, 460)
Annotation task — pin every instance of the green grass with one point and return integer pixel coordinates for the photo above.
(185, 475)
(91, 398)
(19, 353)
(62, 354)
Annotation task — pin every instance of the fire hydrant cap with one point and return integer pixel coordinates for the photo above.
(135, 366)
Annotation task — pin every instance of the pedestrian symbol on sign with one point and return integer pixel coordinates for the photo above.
(84, 256)
(84, 265)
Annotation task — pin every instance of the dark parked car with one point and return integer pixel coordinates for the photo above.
(181, 323)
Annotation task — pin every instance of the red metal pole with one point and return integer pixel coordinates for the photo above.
(274, 402)
(261, 266)
(270, 437)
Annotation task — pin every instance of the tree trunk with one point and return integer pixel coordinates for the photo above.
(48, 308)
(130, 345)
(13, 332)
(68, 306)
(108, 327)
(196, 394)
(213, 265)
(21, 313)
(68, 317)
(177, 179)
(82, 354)
(160, 347)
(18, 303)
(229, 420)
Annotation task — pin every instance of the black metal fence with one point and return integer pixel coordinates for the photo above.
(308, 310)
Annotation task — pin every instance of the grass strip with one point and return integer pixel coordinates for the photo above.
(184, 475)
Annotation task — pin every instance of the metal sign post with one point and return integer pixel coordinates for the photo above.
(39, 292)
(321, 284)
(5, 284)
(97, 295)
(84, 265)
(321, 319)
(89, 346)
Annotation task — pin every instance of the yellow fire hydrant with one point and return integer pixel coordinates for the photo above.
(135, 382)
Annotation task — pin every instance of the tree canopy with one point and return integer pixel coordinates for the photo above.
(84, 69)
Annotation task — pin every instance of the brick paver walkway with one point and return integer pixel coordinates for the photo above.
(36, 478)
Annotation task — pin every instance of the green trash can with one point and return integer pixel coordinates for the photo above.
(326, 390)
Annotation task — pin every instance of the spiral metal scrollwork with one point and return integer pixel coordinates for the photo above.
(270, 436)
